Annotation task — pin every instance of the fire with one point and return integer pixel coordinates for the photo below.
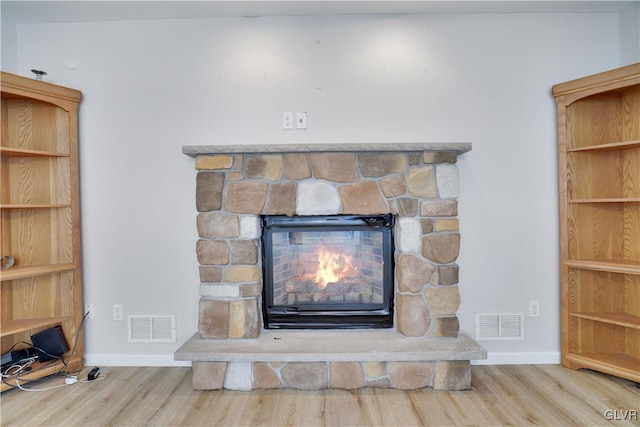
(332, 267)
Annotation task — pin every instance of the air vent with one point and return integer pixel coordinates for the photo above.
(151, 328)
(499, 326)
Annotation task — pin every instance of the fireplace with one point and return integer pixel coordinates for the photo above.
(384, 215)
(327, 272)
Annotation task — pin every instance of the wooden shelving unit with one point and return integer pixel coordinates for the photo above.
(40, 219)
(599, 181)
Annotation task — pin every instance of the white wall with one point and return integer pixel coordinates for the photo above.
(630, 34)
(151, 87)
(8, 45)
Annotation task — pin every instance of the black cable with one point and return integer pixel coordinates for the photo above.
(65, 364)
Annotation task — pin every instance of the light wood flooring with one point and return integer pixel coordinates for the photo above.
(523, 395)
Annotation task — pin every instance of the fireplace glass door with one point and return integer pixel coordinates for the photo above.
(328, 272)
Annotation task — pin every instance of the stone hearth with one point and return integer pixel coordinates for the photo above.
(416, 182)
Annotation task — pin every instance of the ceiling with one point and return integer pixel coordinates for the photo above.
(26, 11)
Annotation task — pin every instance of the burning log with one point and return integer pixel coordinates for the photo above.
(351, 289)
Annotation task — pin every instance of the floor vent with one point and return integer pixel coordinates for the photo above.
(499, 326)
(151, 328)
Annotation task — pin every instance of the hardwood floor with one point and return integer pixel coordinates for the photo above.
(522, 395)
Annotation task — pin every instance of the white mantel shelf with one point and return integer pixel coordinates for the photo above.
(452, 147)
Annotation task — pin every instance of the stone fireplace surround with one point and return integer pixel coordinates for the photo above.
(417, 182)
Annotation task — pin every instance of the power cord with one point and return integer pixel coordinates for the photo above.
(24, 366)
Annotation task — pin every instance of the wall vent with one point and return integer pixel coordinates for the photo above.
(151, 328)
(499, 326)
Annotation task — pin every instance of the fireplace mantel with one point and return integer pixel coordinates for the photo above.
(416, 182)
(452, 147)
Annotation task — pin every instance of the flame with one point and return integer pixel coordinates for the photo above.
(332, 267)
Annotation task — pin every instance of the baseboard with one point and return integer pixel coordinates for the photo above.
(493, 358)
(520, 358)
(132, 360)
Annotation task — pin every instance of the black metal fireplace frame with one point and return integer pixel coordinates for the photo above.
(328, 316)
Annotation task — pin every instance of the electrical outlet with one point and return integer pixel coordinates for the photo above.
(117, 311)
(287, 120)
(534, 308)
(89, 308)
(301, 120)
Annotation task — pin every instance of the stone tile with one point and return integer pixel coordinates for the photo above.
(212, 252)
(210, 274)
(412, 315)
(250, 227)
(219, 290)
(317, 198)
(375, 165)
(238, 161)
(305, 375)
(443, 301)
(244, 252)
(410, 375)
(408, 235)
(441, 248)
(241, 274)
(413, 273)
(438, 208)
(422, 182)
(375, 369)
(296, 166)
(444, 326)
(447, 179)
(245, 319)
(282, 199)
(209, 191)
(250, 289)
(213, 319)
(393, 186)
(426, 225)
(446, 224)
(235, 176)
(448, 274)
(268, 167)
(217, 225)
(362, 198)
(208, 375)
(415, 158)
(439, 157)
(246, 197)
(336, 167)
(452, 375)
(382, 382)
(265, 377)
(407, 207)
(213, 162)
(346, 375)
(238, 376)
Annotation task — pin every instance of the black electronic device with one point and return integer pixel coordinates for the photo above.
(93, 374)
(49, 344)
(14, 356)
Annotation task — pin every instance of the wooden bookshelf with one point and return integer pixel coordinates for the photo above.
(599, 181)
(40, 222)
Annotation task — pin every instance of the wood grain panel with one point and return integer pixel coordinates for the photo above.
(631, 225)
(595, 120)
(631, 113)
(19, 123)
(632, 295)
(36, 180)
(633, 349)
(597, 230)
(631, 173)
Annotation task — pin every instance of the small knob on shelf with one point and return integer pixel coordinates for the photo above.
(39, 74)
